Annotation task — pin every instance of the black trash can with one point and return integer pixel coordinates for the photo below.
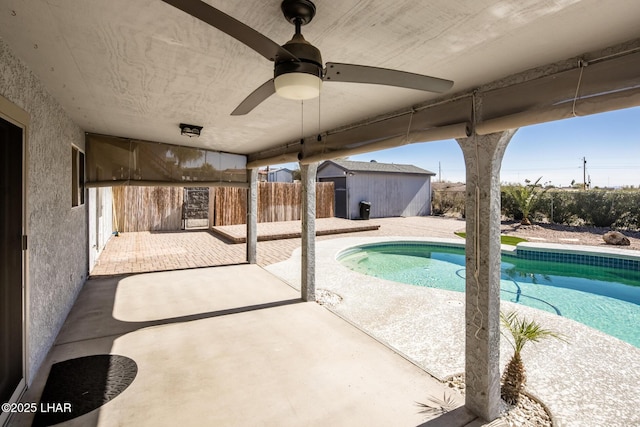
(365, 210)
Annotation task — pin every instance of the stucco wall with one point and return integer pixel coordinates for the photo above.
(57, 253)
(100, 202)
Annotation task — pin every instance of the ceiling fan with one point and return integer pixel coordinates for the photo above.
(298, 72)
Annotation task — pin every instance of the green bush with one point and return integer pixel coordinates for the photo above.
(510, 207)
(598, 208)
(629, 206)
(559, 207)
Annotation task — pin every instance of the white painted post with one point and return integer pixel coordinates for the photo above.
(308, 264)
(252, 216)
(483, 158)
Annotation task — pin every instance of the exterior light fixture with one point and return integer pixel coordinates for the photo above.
(190, 130)
(298, 86)
(300, 79)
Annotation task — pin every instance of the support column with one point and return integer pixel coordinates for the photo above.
(483, 158)
(252, 216)
(308, 282)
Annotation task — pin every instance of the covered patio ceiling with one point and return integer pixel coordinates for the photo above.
(138, 69)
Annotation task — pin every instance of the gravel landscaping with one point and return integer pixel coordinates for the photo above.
(556, 233)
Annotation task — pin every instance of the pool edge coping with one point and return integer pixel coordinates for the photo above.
(626, 254)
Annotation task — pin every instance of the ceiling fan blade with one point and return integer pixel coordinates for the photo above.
(236, 29)
(267, 89)
(338, 72)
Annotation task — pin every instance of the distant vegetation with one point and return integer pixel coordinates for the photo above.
(598, 208)
(618, 209)
(447, 198)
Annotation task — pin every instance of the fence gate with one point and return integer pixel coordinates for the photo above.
(195, 208)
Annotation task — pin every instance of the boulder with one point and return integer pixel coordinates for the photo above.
(616, 238)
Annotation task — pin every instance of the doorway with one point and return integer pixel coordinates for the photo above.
(11, 263)
(340, 201)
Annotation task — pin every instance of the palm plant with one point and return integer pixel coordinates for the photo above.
(526, 197)
(521, 331)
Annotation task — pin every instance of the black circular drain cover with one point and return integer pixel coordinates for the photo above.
(78, 386)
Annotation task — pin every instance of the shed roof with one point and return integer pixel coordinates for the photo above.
(353, 166)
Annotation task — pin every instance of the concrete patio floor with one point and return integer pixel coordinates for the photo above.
(235, 346)
(589, 381)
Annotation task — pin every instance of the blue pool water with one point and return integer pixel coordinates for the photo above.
(603, 293)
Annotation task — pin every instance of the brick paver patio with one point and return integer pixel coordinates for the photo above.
(159, 251)
(292, 229)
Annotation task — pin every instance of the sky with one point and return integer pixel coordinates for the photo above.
(610, 143)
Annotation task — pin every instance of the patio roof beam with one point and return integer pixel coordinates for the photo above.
(581, 107)
(460, 130)
(595, 82)
(275, 160)
(441, 120)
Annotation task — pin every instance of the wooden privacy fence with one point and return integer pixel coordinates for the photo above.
(147, 208)
(277, 201)
(227, 206)
(161, 208)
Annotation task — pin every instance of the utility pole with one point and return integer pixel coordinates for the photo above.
(439, 172)
(584, 173)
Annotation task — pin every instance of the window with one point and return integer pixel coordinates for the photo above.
(77, 177)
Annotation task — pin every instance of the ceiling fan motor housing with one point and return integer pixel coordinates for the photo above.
(299, 78)
(310, 58)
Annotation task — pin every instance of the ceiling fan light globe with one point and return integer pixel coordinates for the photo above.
(298, 86)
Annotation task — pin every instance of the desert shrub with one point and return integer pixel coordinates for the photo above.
(559, 207)
(629, 206)
(447, 202)
(509, 206)
(599, 208)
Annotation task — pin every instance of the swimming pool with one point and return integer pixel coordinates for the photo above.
(598, 290)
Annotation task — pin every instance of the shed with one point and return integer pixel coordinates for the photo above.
(391, 189)
(280, 175)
